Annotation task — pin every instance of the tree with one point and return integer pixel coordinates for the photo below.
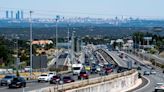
(5, 51)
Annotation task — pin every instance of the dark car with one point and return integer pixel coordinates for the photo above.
(55, 79)
(121, 69)
(83, 75)
(103, 73)
(18, 83)
(67, 79)
(7, 79)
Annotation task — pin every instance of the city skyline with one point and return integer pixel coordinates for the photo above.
(85, 8)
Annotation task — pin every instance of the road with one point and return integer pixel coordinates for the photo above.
(36, 85)
(152, 79)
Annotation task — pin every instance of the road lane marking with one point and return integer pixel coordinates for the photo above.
(143, 86)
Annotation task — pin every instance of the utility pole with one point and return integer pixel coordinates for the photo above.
(72, 48)
(68, 38)
(57, 18)
(31, 42)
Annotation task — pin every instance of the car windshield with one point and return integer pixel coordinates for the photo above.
(55, 76)
(43, 75)
(83, 72)
(51, 73)
(15, 79)
(160, 84)
(8, 77)
(67, 78)
(76, 68)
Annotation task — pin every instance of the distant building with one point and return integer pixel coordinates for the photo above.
(7, 14)
(42, 42)
(21, 14)
(11, 15)
(18, 15)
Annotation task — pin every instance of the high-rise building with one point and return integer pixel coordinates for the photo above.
(18, 15)
(21, 14)
(7, 14)
(11, 14)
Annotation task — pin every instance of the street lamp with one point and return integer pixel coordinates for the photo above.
(30, 20)
(57, 18)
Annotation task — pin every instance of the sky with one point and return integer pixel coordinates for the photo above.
(84, 8)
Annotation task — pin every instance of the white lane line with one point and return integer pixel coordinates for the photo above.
(143, 86)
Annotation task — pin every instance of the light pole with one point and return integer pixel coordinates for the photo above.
(30, 20)
(68, 37)
(57, 18)
(72, 48)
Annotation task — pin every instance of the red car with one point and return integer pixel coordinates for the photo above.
(55, 79)
(84, 75)
(68, 79)
(109, 70)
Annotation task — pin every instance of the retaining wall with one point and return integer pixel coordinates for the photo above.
(110, 83)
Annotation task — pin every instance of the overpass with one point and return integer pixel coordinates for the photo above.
(111, 57)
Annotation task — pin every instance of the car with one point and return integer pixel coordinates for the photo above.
(51, 74)
(153, 72)
(7, 79)
(83, 75)
(17, 82)
(139, 68)
(121, 69)
(44, 77)
(67, 79)
(159, 87)
(146, 73)
(103, 72)
(93, 70)
(108, 70)
(87, 68)
(55, 79)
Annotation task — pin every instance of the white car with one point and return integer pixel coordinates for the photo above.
(153, 72)
(51, 74)
(159, 87)
(44, 77)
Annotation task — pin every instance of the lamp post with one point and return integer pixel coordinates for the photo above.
(30, 20)
(68, 37)
(57, 18)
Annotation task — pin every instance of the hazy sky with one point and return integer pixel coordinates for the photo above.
(92, 8)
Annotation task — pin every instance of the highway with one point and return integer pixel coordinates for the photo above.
(36, 85)
(152, 79)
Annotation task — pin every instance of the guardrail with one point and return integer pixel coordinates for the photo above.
(84, 83)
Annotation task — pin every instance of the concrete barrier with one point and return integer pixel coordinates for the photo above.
(110, 83)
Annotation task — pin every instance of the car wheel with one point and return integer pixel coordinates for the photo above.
(24, 85)
(38, 80)
(156, 90)
(21, 85)
(9, 86)
(51, 82)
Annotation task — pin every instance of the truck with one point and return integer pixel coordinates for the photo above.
(76, 68)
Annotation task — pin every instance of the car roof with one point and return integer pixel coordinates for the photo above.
(161, 83)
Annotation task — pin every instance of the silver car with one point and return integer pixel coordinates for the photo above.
(7, 79)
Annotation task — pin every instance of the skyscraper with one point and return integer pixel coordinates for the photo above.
(21, 14)
(7, 14)
(18, 15)
(11, 15)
